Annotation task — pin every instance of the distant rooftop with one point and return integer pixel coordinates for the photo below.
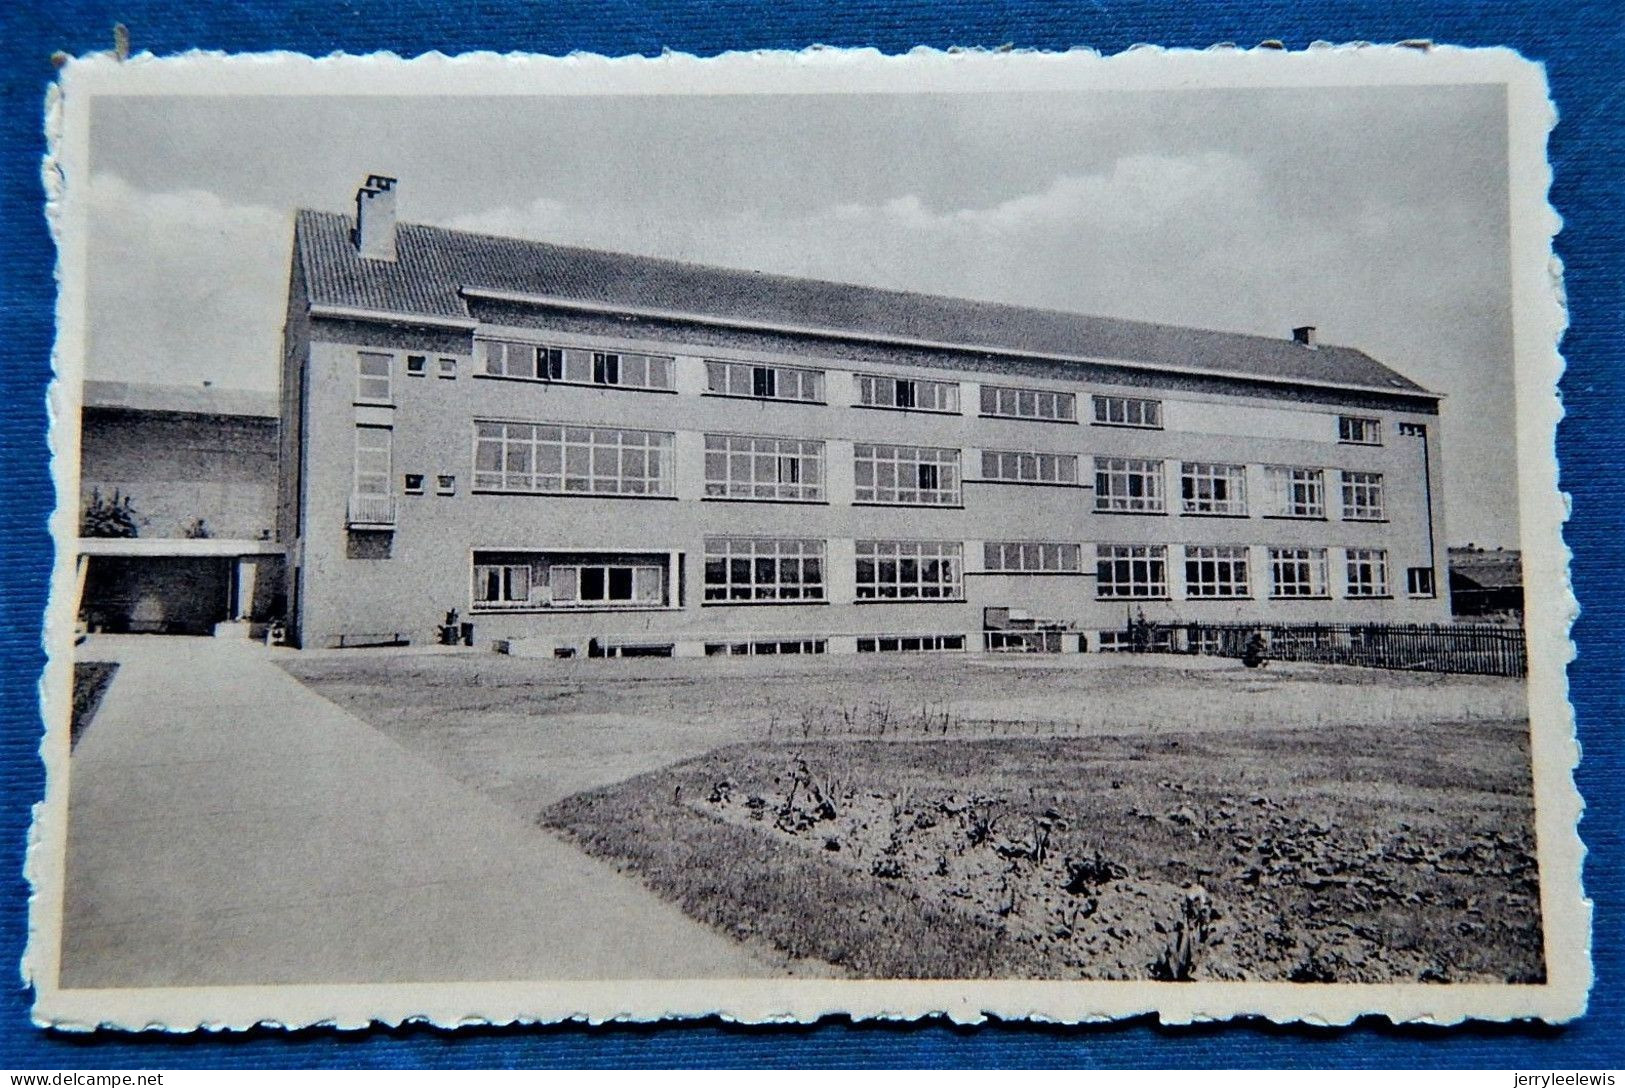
(189, 399)
(435, 270)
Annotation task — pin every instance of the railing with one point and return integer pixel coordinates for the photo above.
(372, 512)
(1481, 649)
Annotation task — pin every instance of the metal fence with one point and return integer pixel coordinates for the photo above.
(1481, 649)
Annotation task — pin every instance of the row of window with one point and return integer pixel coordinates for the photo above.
(555, 458)
(741, 569)
(631, 370)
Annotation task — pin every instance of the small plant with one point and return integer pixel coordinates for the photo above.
(109, 517)
(198, 529)
(1191, 931)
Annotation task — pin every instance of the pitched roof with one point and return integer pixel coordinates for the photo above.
(434, 265)
(188, 399)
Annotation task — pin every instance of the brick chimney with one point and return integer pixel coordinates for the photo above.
(375, 219)
(1305, 335)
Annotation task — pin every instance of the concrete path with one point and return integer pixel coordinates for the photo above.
(229, 826)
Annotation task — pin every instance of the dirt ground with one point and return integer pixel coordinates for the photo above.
(1089, 818)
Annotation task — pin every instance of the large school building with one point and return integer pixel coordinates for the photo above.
(588, 453)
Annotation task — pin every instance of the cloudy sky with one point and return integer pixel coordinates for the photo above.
(1379, 215)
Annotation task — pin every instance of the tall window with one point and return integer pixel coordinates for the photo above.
(1128, 484)
(373, 475)
(372, 376)
(1025, 557)
(1128, 411)
(1216, 572)
(907, 475)
(909, 570)
(1359, 430)
(1213, 489)
(1362, 496)
(1298, 572)
(1017, 403)
(918, 394)
(1367, 572)
(552, 458)
(1131, 571)
(1030, 468)
(755, 467)
(748, 568)
(1296, 492)
(762, 381)
(578, 366)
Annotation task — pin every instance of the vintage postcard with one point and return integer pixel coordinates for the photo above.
(1035, 536)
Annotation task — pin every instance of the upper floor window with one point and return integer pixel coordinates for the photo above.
(1298, 572)
(1131, 570)
(1128, 411)
(763, 382)
(1362, 496)
(1360, 430)
(1414, 430)
(578, 366)
(913, 475)
(1029, 468)
(998, 400)
(750, 568)
(752, 467)
(1024, 557)
(1367, 572)
(552, 458)
(1128, 484)
(916, 394)
(372, 376)
(909, 570)
(1213, 489)
(1296, 492)
(373, 447)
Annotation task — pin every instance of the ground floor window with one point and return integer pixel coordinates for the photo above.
(548, 580)
(1367, 572)
(909, 570)
(1216, 572)
(1298, 572)
(892, 644)
(1131, 571)
(1419, 581)
(748, 568)
(766, 647)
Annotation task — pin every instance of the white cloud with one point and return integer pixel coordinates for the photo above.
(184, 286)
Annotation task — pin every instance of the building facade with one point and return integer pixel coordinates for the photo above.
(585, 452)
(178, 509)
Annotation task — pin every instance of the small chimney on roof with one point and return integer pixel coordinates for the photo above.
(1305, 335)
(375, 219)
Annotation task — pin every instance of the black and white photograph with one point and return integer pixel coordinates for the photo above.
(792, 534)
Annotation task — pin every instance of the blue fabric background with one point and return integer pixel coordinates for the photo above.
(1580, 42)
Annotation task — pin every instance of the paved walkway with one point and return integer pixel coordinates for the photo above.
(229, 826)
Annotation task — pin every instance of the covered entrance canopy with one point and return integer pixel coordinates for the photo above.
(177, 586)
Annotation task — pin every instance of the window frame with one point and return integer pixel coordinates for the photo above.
(947, 587)
(808, 458)
(362, 378)
(560, 588)
(1353, 430)
(1101, 405)
(928, 475)
(737, 372)
(656, 447)
(1281, 482)
(1411, 580)
(1031, 557)
(386, 475)
(1193, 474)
(582, 367)
(1316, 563)
(729, 554)
(1009, 466)
(1219, 587)
(1154, 498)
(867, 386)
(1013, 394)
(1366, 486)
(1113, 559)
(1367, 570)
